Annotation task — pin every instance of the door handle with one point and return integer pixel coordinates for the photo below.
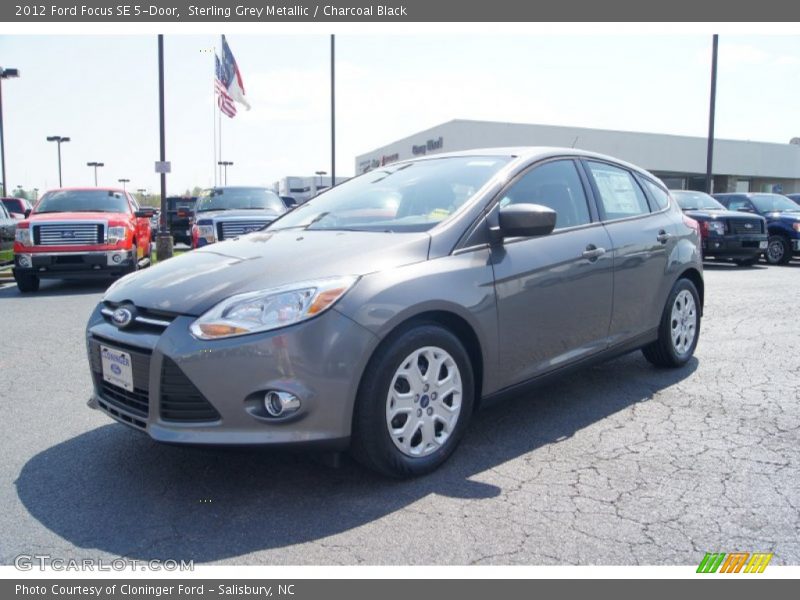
(592, 252)
(663, 236)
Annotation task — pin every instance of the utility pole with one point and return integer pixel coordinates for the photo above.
(712, 110)
(164, 242)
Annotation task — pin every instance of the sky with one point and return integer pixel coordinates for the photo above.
(102, 92)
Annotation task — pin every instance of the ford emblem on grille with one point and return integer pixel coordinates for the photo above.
(68, 235)
(122, 317)
(748, 225)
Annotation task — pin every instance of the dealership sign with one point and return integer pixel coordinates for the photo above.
(429, 146)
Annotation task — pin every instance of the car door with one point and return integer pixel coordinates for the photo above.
(554, 292)
(641, 241)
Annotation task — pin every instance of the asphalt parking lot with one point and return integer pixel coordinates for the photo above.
(618, 464)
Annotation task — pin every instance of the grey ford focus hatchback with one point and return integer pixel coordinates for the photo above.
(377, 315)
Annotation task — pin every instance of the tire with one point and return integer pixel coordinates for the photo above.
(27, 282)
(746, 262)
(679, 328)
(405, 423)
(779, 250)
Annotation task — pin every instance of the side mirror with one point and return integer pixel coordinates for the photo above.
(28, 212)
(526, 220)
(145, 213)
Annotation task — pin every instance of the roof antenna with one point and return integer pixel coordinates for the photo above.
(575, 141)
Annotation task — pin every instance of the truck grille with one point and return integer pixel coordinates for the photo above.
(744, 226)
(229, 229)
(136, 402)
(68, 234)
(180, 399)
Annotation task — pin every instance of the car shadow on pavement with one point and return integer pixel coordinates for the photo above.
(58, 287)
(116, 491)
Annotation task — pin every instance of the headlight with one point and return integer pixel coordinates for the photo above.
(23, 236)
(206, 232)
(270, 309)
(116, 234)
(796, 226)
(717, 227)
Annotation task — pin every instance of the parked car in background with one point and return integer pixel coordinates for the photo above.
(783, 221)
(222, 213)
(383, 329)
(18, 207)
(180, 218)
(81, 233)
(726, 234)
(794, 198)
(8, 225)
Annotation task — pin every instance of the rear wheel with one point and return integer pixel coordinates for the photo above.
(414, 403)
(26, 282)
(679, 329)
(779, 251)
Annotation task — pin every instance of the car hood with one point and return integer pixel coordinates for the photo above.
(236, 214)
(77, 216)
(787, 217)
(730, 215)
(195, 281)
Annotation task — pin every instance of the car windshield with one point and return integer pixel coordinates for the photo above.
(696, 201)
(405, 197)
(773, 203)
(83, 201)
(239, 199)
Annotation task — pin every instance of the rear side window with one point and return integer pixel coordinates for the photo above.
(737, 203)
(659, 195)
(556, 185)
(620, 194)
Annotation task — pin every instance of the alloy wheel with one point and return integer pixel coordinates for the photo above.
(683, 324)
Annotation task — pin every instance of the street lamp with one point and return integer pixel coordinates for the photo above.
(4, 74)
(320, 173)
(95, 165)
(225, 164)
(123, 182)
(59, 140)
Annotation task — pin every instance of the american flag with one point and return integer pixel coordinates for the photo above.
(224, 100)
(228, 82)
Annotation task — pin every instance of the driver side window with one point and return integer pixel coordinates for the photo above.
(557, 185)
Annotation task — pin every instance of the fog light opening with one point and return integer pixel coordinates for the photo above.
(280, 404)
(25, 261)
(117, 258)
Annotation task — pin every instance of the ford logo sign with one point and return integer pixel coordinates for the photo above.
(68, 235)
(748, 225)
(122, 317)
(115, 369)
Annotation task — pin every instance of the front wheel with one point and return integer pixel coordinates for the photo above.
(414, 402)
(779, 250)
(27, 282)
(679, 329)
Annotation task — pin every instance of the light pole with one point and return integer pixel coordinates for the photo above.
(95, 165)
(320, 173)
(143, 193)
(225, 164)
(711, 111)
(35, 194)
(123, 182)
(164, 240)
(59, 140)
(4, 74)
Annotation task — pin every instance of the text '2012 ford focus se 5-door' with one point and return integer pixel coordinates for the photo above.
(377, 315)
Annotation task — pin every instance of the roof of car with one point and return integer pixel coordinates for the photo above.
(87, 189)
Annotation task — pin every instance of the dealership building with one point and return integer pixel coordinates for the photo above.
(304, 187)
(680, 161)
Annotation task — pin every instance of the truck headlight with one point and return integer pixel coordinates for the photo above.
(23, 236)
(270, 309)
(717, 227)
(796, 226)
(116, 234)
(206, 232)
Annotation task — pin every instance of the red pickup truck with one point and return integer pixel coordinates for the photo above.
(81, 233)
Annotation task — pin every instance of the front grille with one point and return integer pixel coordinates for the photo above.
(229, 229)
(744, 226)
(146, 319)
(180, 399)
(136, 402)
(68, 234)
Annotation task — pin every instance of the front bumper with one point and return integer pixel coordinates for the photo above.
(319, 361)
(56, 265)
(734, 246)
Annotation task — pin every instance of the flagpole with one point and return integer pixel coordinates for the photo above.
(219, 156)
(214, 111)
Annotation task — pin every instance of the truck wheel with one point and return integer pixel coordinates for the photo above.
(414, 403)
(26, 282)
(779, 251)
(679, 329)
